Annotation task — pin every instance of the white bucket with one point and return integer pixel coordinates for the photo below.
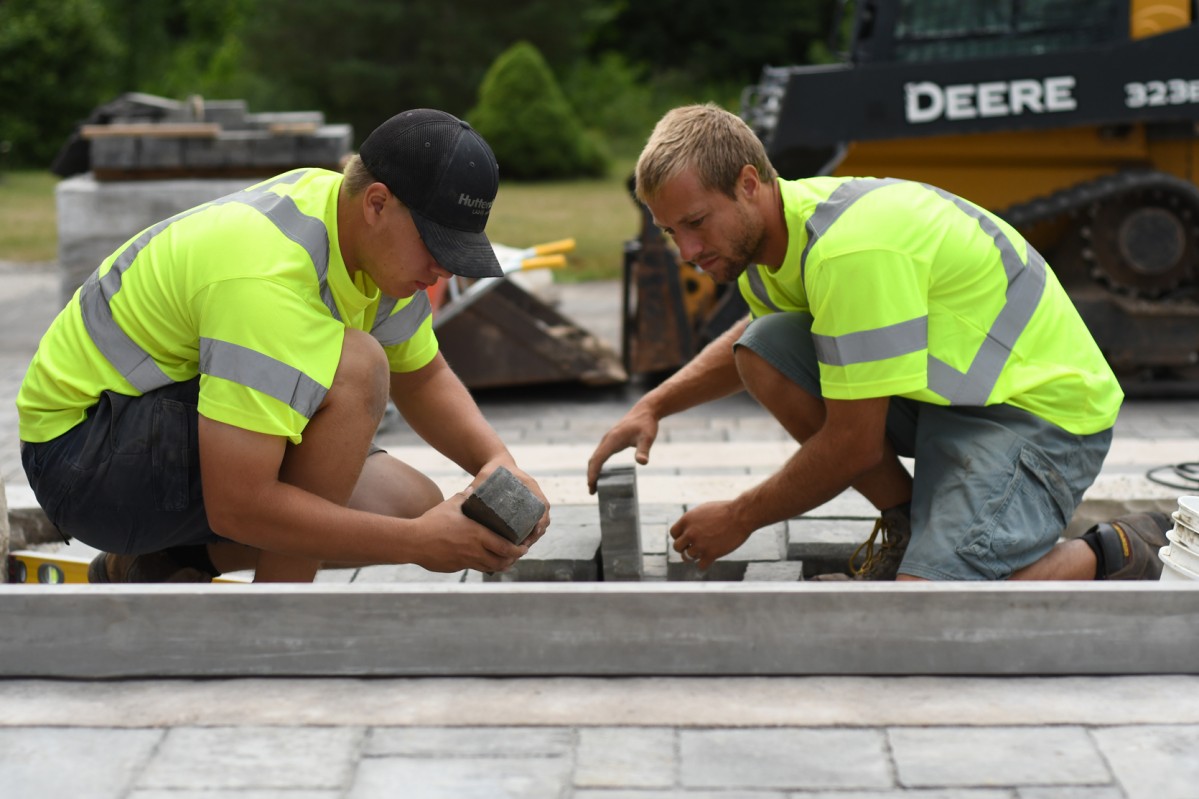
(1185, 533)
(1188, 512)
(1171, 570)
(1181, 554)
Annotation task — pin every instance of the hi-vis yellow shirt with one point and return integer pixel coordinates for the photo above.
(249, 292)
(917, 293)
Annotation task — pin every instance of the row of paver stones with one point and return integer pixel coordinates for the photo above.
(594, 762)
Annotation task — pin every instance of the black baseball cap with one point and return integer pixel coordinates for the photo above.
(446, 174)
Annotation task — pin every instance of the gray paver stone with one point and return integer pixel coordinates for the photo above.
(955, 793)
(563, 554)
(684, 794)
(462, 778)
(253, 757)
(4, 534)
(468, 742)
(779, 571)
(505, 505)
(114, 152)
(70, 762)
(233, 793)
(996, 756)
(1070, 792)
(1153, 762)
(623, 757)
(634, 793)
(620, 527)
(159, 152)
(783, 758)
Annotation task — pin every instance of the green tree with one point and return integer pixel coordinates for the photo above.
(54, 57)
(362, 62)
(714, 41)
(179, 48)
(529, 124)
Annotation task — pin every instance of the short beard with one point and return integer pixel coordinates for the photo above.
(744, 248)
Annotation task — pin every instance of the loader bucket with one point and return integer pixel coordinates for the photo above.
(496, 334)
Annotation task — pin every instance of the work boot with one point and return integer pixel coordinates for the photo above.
(153, 567)
(895, 527)
(1130, 545)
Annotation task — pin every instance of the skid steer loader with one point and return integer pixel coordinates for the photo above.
(1075, 120)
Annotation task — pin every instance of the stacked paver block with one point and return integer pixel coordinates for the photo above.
(154, 157)
(198, 137)
(768, 545)
(656, 520)
(620, 527)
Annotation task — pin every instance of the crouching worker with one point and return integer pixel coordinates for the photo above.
(888, 318)
(206, 402)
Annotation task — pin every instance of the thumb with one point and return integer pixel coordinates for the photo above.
(643, 445)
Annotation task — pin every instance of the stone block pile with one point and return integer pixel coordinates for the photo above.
(144, 137)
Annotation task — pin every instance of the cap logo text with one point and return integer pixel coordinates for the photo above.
(478, 204)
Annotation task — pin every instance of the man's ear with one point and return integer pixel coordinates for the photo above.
(748, 181)
(374, 199)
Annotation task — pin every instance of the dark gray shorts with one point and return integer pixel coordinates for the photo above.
(993, 488)
(127, 479)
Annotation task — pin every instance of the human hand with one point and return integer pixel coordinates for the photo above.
(449, 541)
(708, 532)
(636, 428)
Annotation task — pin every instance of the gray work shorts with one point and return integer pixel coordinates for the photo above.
(993, 488)
(127, 479)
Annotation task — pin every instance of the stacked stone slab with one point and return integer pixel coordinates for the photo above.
(152, 158)
(156, 137)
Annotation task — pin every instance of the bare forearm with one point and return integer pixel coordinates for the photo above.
(285, 518)
(442, 412)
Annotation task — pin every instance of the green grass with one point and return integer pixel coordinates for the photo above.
(599, 214)
(28, 231)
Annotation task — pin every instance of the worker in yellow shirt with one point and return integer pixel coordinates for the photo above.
(888, 318)
(206, 401)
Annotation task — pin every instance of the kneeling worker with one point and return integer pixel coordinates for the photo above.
(888, 318)
(206, 402)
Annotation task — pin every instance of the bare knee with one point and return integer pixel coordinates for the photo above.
(361, 381)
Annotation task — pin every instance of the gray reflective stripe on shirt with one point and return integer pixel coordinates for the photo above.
(397, 328)
(892, 341)
(1026, 284)
(251, 368)
(830, 211)
(974, 386)
(134, 363)
(758, 287)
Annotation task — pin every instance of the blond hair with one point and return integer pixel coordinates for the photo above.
(715, 143)
(357, 177)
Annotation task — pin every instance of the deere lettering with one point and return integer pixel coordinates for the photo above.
(477, 203)
(927, 101)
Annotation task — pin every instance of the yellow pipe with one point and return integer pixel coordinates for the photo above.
(550, 248)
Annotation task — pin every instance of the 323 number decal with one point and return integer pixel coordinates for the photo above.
(1161, 92)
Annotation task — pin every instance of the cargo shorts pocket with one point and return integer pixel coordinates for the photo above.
(171, 444)
(1022, 519)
